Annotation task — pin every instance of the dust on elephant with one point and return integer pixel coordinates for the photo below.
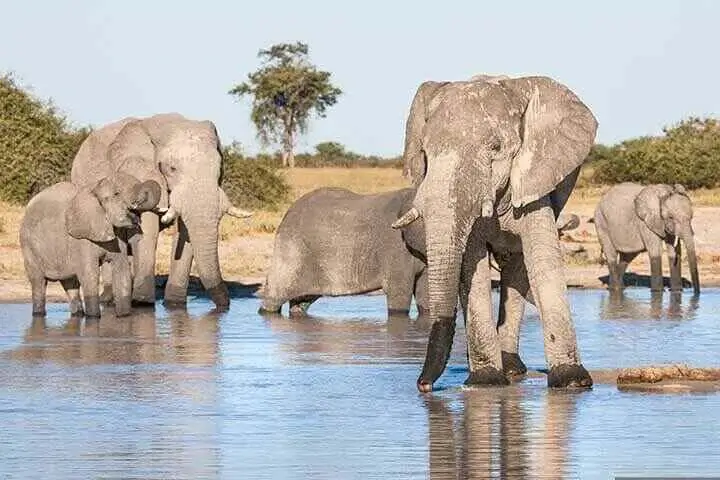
(184, 157)
(333, 241)
(494, 163)
(632, 218)
(67, 232)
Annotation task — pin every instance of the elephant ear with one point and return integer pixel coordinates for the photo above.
(414, 156)
(557, 133)
(85, 219)
(133, 141)
(648, 207)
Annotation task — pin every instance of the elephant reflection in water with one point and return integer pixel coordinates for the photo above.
(343, 340)
(470, 450)
(138, 339)
(618, 306)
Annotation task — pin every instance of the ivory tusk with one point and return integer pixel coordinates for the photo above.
(170, 215)
(676, 241)
(486, 208)
(239, 213)
(409, 217)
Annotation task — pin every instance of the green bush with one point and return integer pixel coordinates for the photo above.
(333, 154)
(688, 153)
(37, 143)
(252, 183)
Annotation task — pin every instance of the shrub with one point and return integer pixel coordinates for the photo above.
(37, 143)
(253, 184)
(688, 153)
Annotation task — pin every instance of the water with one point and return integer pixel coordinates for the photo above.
(234, 395)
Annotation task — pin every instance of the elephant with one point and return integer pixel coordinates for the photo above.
(632, 218)
(67, 233)
(494, 163)
(333, 241)
(184, 156)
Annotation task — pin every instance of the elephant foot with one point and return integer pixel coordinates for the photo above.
(220, 296)
(569, 376)
(513, 366)
(123, 307)
(438, 353)
(106, 296)
(487, 376)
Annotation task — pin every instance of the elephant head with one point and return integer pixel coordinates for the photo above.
(113, 202)
(478, 150)
(667, 211)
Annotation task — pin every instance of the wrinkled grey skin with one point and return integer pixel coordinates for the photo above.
(334, 242)
(67, 232)
(632, 218)
(495, 162)
(184, 157)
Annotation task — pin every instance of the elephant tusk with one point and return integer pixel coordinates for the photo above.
(676, 241)
(409, 217)
(486, 208)
(239, 213)
(170, 215)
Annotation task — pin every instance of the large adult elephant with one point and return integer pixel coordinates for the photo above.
(495, 161)
(632, 218)
(184, 157)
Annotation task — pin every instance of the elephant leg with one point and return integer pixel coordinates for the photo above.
(299, 306)
(398, 289)
(89, 281)
(624, 261)
(38, 284)
(144, 248)
(544, 264)
(656, 276)
(484, 358)
(611, 255)
(72, 289)
(421, 293)
(514, 289)
(122, 285)
(106, 275)
(180, 266)
(674, 256)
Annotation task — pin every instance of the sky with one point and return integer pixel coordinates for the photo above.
(639, 65)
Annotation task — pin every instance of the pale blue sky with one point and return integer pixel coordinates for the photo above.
(639, 65)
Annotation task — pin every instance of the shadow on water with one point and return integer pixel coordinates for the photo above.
(489, 433)
(631, 279)
(623, 306)
(197, 290)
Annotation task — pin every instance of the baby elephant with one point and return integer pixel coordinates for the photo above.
(335, 242)
(67, 233)
(633, 218)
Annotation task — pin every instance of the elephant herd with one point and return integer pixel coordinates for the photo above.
(492, 161)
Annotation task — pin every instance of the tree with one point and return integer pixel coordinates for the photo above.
(286, 89)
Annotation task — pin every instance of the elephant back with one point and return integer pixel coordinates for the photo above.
(91, 162)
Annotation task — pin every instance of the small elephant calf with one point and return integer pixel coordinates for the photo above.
(335, 242)
(67, 233)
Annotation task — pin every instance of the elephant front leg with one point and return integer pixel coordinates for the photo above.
(89, 282)
(483, 343)
(514, 289)
(180, 266)
(122, 284)
(674, 255)
(144, 248)
(543, 260)
(107, 292)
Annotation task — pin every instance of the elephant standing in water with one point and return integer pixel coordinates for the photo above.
(184, 157)
(67, 233)
(333, 242)
(633, 218)
(494, 163)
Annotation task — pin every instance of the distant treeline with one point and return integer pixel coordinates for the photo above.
(37, 145)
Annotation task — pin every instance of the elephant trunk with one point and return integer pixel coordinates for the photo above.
(689, 242)
(202, 218)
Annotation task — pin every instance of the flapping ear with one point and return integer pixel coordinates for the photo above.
(557, 131)
(85, 219)
(132, 141)
(648, 205)
(414, 156)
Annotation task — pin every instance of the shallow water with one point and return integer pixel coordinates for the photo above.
(234, 395)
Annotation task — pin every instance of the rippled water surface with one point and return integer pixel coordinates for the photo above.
(235, 395)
